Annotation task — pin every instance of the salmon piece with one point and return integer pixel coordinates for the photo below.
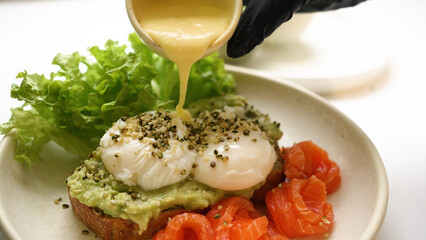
(309, 211)
(236, 218)
(248, 228)
(300, 208)
(306, 159)
(273, 233)
(186, 226)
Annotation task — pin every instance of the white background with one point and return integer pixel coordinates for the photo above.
(391, 110)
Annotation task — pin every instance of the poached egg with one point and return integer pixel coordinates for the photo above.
(221, 149)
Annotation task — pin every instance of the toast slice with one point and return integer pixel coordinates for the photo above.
(112, 228)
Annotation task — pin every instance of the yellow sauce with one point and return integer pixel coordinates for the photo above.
(184, 29)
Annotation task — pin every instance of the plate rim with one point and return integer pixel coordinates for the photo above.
(381, 203)
(377, 219)
(5, 226)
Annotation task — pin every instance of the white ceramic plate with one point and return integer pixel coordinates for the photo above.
(333, 54)
(27, 210)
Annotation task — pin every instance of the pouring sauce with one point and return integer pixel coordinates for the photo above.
(184, 29)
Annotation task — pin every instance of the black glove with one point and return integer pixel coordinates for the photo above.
(262, 17)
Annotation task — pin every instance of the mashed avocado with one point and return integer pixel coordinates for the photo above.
(94, 186)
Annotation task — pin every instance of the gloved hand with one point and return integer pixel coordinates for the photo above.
(262, 17)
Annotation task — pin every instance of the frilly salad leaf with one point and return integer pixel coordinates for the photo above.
(75, 105)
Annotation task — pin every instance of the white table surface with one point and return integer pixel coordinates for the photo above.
(391, 110)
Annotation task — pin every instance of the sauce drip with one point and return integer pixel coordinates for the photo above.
(184, 29)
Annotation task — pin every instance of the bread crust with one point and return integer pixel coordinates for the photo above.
(111, 228)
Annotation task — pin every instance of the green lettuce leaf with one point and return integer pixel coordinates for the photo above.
(75, 105)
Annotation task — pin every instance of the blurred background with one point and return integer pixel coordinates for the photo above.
(368, 61)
